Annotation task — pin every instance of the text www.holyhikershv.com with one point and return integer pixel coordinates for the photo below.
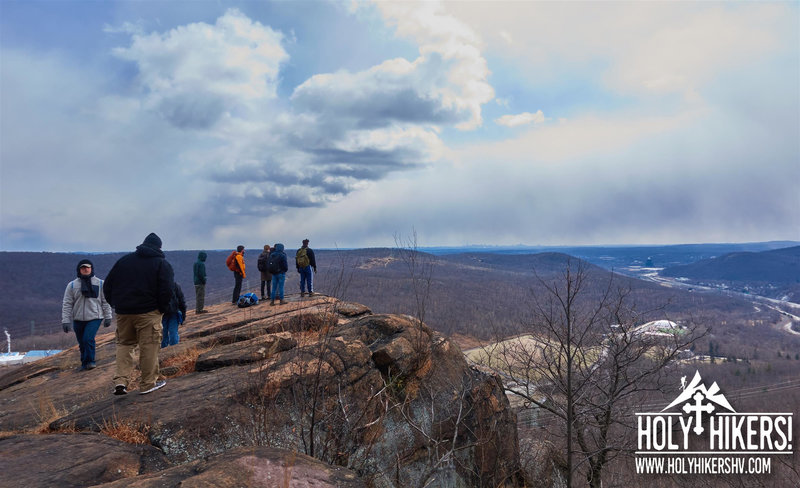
(703, 465)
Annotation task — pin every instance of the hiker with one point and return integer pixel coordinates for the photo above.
(235, 263)
(199, 272)
(139, 287)
(277, 266)
(305, 263)
(83, 309)
(266, 277)
(175, 316)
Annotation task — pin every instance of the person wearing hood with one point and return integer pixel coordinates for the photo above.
(83, 309)
(199, 271)
(277, 266)
(140, 288)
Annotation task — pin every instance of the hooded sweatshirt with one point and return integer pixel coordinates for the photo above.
(278, 255)
(84, 305)
(199, 269)
(141, 281)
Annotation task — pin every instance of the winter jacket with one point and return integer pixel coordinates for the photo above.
(240, 263)
(200, 268)
(277, 253)
(264, 258)
(140, 282)
(311, 260)
(178, 302)
(78, 307)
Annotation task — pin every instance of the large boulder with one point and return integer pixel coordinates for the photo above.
(381, 395)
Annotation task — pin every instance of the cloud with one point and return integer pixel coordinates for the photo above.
(521, 119)
(344, 129)
(194, 74)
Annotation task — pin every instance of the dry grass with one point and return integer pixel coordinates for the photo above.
(184, 361)
(46, 412)
(130, 431)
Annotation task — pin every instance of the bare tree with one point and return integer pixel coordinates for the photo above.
(586, 365)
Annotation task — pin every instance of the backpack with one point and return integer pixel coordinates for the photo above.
(274, 263)
(231, 262)
(247, 300)
(262, 262)
(301, 258)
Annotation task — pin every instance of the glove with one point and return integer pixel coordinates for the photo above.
(66, 326)
(107, 323)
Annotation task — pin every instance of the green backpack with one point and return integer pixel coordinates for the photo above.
(301, 258)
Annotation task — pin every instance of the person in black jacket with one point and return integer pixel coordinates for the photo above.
(306, 265)
(140, 288)
(175, 316)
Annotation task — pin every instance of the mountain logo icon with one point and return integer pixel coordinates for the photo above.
(696, 399)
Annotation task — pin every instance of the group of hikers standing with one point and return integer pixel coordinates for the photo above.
(150, 305)
(273, 266)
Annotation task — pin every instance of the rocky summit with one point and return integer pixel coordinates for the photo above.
(318, 392)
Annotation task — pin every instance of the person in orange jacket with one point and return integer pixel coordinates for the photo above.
(235, 263)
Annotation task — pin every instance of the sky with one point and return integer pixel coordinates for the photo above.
(355, 124)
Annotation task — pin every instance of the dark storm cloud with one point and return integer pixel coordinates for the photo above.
(192, 110)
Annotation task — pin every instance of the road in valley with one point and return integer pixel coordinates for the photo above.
(788, 309)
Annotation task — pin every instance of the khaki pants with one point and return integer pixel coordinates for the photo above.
(143, 330)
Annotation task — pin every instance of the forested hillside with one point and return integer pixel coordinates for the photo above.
(476, 294)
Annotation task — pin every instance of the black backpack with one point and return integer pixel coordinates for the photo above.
(274, 263)
(262, 261)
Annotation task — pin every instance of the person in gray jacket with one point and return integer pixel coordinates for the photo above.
(83, 309)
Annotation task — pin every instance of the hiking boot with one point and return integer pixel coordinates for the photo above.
(120, 390)
(159, 384)
(302, 294)
(272, 303)
(311, 293)
(91, 365)
(283, 302)
(201, 311)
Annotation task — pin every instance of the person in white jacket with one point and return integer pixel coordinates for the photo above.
(83, 309)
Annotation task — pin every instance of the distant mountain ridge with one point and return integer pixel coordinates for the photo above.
(776, 266)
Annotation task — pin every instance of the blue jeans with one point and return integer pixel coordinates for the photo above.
(277, 286)
(169, 324)
(85, 332)
(306, 279)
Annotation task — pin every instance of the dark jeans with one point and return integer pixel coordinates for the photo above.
(306, 279)
(169, 324)
(200, 297)
(85, 332)
(237, 287)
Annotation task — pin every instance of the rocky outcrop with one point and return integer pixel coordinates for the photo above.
(373, 400)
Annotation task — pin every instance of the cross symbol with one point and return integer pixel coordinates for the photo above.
(698, 408)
